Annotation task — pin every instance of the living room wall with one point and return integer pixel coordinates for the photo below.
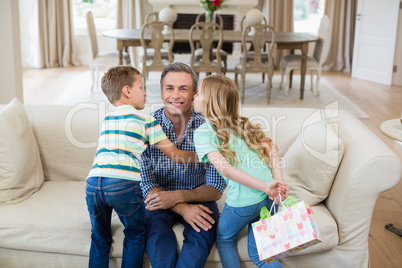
(10, 52)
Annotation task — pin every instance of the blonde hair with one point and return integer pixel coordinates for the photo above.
(221, 106)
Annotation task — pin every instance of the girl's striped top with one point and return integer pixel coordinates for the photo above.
(125, 134)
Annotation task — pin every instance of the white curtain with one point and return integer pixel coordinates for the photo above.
(342, 14)
(55, 43)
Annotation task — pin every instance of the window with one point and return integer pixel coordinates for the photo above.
(307, 15)
(104, 11)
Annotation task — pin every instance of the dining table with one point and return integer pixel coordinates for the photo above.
(284, 40)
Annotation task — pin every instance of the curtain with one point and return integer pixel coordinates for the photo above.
(279, 14)
(56, 36)
(342, 14)
(131, 14)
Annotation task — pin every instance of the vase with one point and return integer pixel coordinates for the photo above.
(253, 16)
(210, 16)
(169, 16)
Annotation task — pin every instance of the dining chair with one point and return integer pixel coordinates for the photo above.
(198, 52)
(314, 63)
(154, 17)
(256, 65)
(250, 54)
(156, 63)
(100, 59)
(211, 58)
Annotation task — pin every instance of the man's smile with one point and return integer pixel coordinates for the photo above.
(176, 103)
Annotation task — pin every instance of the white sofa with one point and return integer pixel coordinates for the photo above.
(51, 228)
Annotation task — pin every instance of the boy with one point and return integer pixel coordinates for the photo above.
(113, 181)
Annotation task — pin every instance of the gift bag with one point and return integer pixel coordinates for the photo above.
(290, 230)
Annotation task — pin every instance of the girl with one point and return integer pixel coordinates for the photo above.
(244, 156)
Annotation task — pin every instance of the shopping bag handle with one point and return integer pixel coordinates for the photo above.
(288, 202)
(273, 206)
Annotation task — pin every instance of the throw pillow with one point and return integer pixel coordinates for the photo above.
(312, 162)
(21, 171)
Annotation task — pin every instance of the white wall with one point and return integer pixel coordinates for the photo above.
(397, 76)
(10, 52)
(27, 29)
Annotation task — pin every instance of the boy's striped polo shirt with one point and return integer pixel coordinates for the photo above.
(125, 134)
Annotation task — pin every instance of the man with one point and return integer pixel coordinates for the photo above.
(184, 193)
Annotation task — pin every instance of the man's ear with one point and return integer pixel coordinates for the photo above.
(126, 91)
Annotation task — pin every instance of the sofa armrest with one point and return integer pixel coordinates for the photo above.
(368, 168)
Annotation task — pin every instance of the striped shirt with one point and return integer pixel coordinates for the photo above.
(125, 134)
(157, 170)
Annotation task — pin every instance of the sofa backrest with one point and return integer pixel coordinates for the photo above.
(67, 135)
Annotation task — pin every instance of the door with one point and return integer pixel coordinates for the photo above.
(375, 37)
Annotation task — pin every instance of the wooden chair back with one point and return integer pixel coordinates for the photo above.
(258, 43)
(154, 31)
(153, 16)
(256, 65)
(207, 38)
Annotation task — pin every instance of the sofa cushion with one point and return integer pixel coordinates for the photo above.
(328, 230)
(20, 164)
(312, 161)
(53, 220)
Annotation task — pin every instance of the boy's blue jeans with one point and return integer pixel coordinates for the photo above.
(231, 222)
(125, 197)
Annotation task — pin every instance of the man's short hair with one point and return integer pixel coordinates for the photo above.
(115, 79)
(180, 67)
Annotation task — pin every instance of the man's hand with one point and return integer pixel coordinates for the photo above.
(196, 215)
(162, 200)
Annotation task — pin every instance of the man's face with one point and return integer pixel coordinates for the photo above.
(177, 94)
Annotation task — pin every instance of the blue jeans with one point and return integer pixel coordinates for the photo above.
(161, 246)
(231, 222)
(125, 197)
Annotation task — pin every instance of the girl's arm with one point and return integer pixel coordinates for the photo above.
(222, 165)
(274, 161)
(176, 155)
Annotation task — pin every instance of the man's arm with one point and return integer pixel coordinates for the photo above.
(209, 192)
(195, 214)
(159, 199)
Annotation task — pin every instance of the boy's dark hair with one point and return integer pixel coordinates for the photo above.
(180, 67)
(115, 79)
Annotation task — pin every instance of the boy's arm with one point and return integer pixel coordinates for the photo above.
(222, 165)
(176, 155)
